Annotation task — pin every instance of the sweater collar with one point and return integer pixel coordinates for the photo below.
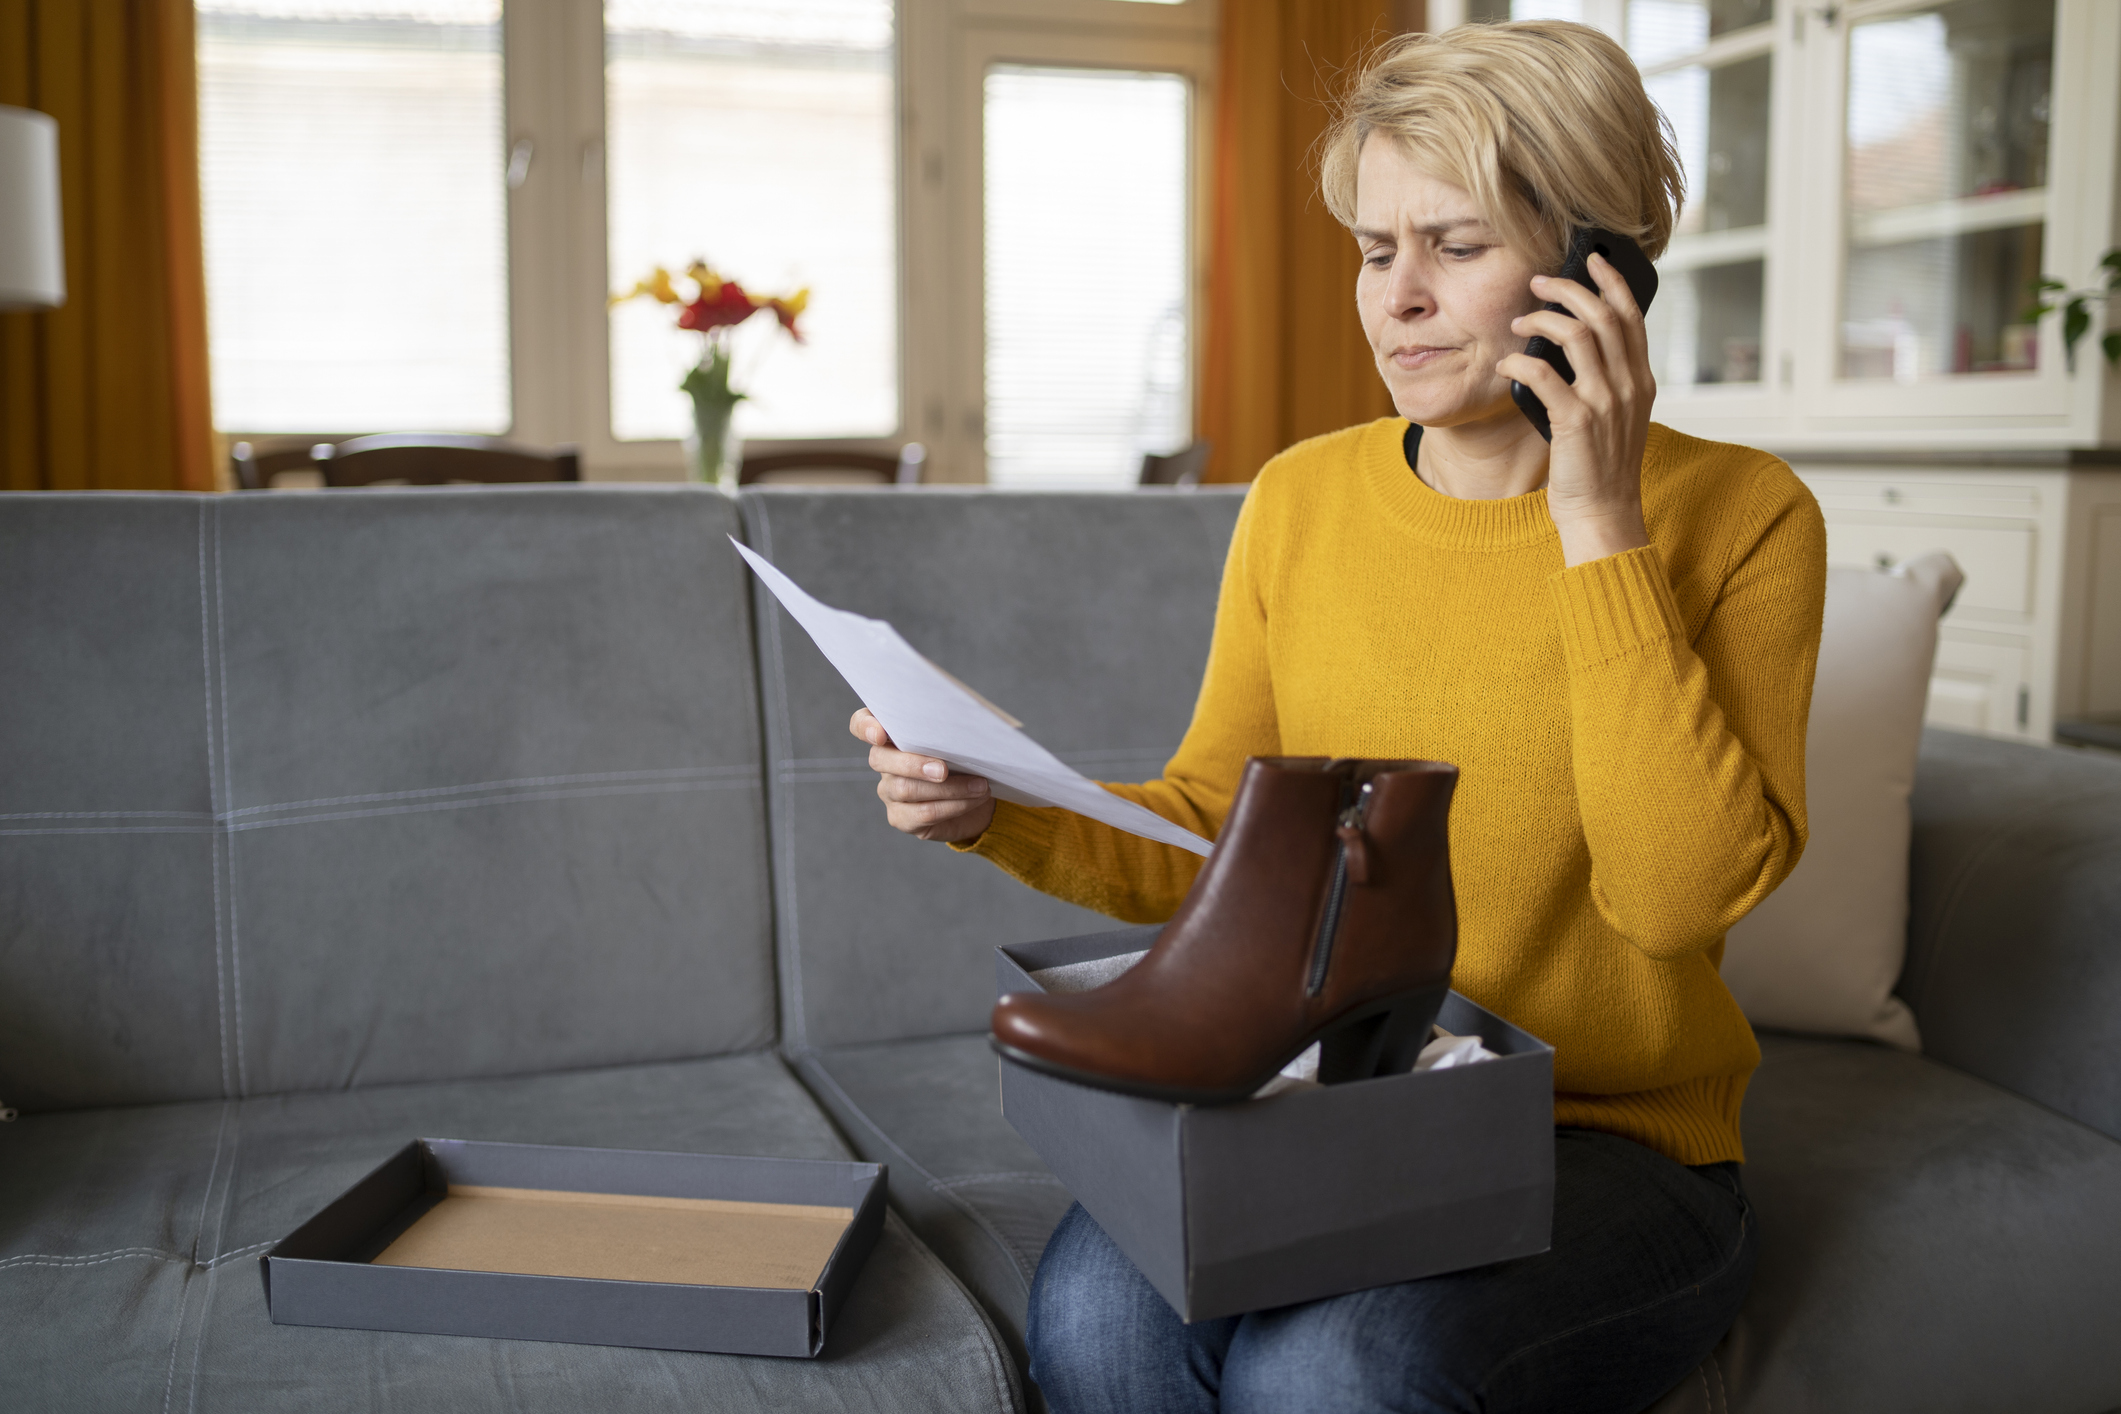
(1447, 521)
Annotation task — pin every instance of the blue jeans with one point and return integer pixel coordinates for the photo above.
(1649, 1264)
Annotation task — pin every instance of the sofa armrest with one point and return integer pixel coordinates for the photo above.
(2014, 930)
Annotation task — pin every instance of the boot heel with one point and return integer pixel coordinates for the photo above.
(1385, 1042)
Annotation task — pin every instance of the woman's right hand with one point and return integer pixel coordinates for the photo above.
(920, 795)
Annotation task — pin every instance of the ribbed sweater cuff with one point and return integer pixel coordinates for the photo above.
(1612, 606)
(1016, 836)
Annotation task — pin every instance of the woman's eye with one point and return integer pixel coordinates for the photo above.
(1463, 252)
(1378, 260)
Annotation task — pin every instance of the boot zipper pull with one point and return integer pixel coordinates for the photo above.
(1354, 846)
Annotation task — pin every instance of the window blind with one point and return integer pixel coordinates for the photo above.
(356, 244)
(1086, 300)
(760, 137)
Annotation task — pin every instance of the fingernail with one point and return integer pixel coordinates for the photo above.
(934, 771)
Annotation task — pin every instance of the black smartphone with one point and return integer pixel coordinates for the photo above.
(1634, 267)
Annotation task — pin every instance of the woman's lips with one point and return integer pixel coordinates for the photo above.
(1419, 356)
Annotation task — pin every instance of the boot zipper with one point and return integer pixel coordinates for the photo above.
(1353, 861)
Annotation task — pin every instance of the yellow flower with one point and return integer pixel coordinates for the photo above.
(657, 286)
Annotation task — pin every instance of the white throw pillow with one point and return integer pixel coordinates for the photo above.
(1821, 953)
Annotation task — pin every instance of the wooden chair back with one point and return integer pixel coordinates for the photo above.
(883, 468)
(1180, 468)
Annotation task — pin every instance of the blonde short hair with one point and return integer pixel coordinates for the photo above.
(1545, 122)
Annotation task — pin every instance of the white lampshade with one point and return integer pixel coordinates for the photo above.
(32, 266)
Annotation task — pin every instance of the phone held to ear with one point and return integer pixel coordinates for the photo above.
(1634, 267)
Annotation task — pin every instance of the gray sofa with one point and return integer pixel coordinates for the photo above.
(332, 820)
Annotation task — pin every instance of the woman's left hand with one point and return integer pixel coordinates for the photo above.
(1602, 420)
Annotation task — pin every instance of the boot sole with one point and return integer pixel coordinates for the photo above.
(1397, 1029)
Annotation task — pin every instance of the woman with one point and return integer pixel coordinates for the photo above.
(1612, 637)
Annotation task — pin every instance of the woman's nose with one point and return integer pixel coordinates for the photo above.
(1407, 291)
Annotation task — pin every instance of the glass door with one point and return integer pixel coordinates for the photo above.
(1710, 66)
(1945, 137)
(1931, 215)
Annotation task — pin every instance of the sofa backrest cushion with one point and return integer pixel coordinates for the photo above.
(2014, 930)
(1821, 953)
(1087, 616)
(310, 791)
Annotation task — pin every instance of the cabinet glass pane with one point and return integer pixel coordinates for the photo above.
(1704, 325)
(1720, 119)
(1670, 29)
(1086, 176)
(1946, 175)
(1482, 11)
(760, 139)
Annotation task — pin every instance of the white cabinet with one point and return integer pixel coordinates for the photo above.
(1872, 188)
(2035, 633)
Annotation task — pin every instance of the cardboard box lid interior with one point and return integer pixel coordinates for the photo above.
(621, 1237)
(542, 1210)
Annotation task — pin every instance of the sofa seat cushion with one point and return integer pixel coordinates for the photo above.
(1929, 1242)
(975, 1192)
(128, 1240)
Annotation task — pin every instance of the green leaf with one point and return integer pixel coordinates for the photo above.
(2112, 344)
(2076, 318)
(2033, 313)
(2045, 283)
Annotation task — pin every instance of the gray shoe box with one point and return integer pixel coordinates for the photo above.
(1309, 1193)
(321, 1274)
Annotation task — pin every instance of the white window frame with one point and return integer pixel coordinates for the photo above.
(949, 403)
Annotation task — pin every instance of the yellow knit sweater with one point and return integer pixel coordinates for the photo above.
(1629, 735)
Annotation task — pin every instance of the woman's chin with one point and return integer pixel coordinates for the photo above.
(1448, 407)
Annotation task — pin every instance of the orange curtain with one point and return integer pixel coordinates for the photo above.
(110, 391)
(1285, 356)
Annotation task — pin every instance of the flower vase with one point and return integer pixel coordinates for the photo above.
(712, 449)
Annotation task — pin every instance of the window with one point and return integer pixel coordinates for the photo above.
(1086, 289)
(762, 139)
(352, 178)
(416, 210)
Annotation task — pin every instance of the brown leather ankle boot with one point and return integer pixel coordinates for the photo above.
(1324, 914)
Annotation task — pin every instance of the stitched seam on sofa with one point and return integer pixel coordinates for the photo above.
(228, 801)
(1721, 1402)
(213, 1172)
(90, 1259)
(977, 1218)
(427, 807)
(110, 815)
(115, 830)
(214, 802)
(1690, 1289)
(1003, 1385)
(213, 1273)
(703, 778)
(779, 805)
(672, 773)
(176, 1337)
(198, 1350)
(240, 1252)
(815, 777)
(94, 1259)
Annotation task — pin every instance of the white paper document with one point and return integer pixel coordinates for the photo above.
(931, 713)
